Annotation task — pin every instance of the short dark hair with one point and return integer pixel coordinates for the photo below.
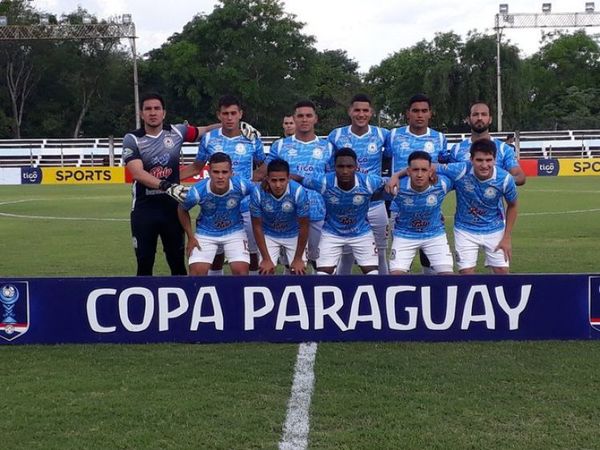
(278, 165)
(152, 96)
(419, 98)
(229, 100)
(219, 157)
(484, 146)
(419, 154)
(346, 151)
(305, 104)
(479, 102)
(361, 98)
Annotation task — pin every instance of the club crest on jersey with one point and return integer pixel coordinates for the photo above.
(432, 200)
(490, 192)
(358, 200)
(429, 147)
(240, 149)
(126, 153)
(231, 203)
(14, 309)
(168, 142)
(287, 206)
(317, 153)
(372, 149)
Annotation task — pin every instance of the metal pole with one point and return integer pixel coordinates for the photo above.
(498, 72)
(136, 92)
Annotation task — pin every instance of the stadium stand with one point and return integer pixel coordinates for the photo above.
(95, 152)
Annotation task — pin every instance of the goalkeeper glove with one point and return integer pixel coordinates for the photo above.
(249, 132)
(173, 190)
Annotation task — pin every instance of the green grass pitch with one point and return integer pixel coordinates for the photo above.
(367, 395)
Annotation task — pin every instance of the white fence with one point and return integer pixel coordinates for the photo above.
(107, 151)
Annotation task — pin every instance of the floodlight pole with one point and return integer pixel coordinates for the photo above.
(543, 20)
(86, 31)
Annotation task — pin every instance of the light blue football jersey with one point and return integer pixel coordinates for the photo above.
(346, 210)
(220, 213)
(420, 213)
(368, 148)
(479, 204)
(306, 159)
(401, 143)
(280, 215)
(505, 155)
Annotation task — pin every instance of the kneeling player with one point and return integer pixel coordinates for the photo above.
(347, 194)
(220, 222)
(419, 223)
(279, 210)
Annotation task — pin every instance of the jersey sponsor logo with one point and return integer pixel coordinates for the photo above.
(161, 160)
(240, 149)
(372, 149)
(317, 153)
(490, 192)
(287, 206)
(160, 172)
(168, 142)
(548, 167)
(231, 203)
(126, 153)
(358, 200)
(432, 200)
(14, 309)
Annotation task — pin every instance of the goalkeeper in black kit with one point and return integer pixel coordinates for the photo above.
(152, 156)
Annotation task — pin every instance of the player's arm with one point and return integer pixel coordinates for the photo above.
(186, 222)
(191, 169)
(505, 243)
(266, 266)
(519, 175)
(260, 172)
(297, 265)
(174, 190)
(394, 181)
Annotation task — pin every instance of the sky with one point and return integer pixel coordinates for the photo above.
(368, 31)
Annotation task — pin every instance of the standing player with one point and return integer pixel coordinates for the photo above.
(289, 127)
(418, 224)
(307, 155)
(347, 195)
(416, 136)
(481, 219)
(243, 153)
(367, 141)
(279, 209)
(152, 155)
(220, 222)
(480, 120)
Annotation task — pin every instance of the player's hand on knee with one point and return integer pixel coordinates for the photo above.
(191, 245)
(266, 267)
(177, 191)
(297, 267)
(506, 246)
(249, 132)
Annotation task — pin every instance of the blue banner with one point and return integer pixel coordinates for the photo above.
(297, 309)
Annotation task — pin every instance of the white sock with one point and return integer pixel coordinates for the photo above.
(373, 272)
(344, 267)
(322, 273)
(212, 273)
(383, 266)
(253, 272)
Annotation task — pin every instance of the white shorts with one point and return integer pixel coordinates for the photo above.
(436, 248)
(285, 247)
(314, 237)
(249, 233)
(467, 246)
(363, 248)
(378, 219)
(235, 246)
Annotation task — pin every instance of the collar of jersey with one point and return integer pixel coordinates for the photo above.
(227, 137)
(414, 190)
(219, 195)
(287, 191)
(493, 177)
(316, 139)
(335, 184)
(428, 133)
(368, 133)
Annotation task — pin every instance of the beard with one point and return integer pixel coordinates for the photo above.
(480, 128)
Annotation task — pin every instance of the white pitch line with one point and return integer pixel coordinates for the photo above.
(83, 219)
(556, 213)
(297, 421)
